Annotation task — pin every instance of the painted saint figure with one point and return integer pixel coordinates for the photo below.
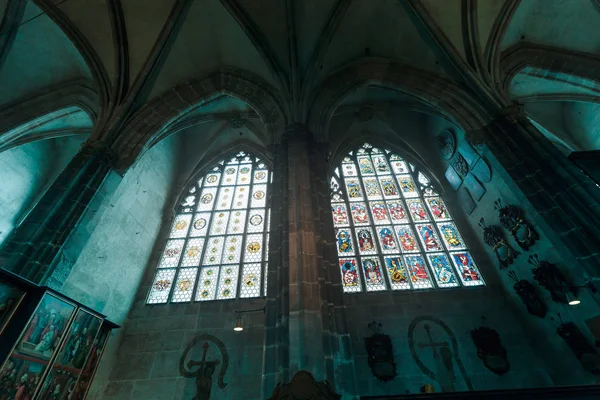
(365, 240)
(372, 271)
(344, 241)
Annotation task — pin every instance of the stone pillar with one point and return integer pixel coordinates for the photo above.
(567, 201)
(33, 245)
(307, 331)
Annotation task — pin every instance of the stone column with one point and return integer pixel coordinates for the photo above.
(308, 330)
(33, 245)
(567, 201)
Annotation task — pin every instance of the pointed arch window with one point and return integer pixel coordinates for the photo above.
(393, 231)
(218, 244)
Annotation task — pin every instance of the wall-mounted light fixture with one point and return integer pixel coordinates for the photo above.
(574, 300)
(239, 326)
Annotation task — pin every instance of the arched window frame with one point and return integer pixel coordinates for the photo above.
(191, 207)
(461, 270)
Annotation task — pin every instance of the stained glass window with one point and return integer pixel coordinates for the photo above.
(218, 244)
(393, 231)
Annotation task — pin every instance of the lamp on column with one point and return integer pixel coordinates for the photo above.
(239, 326)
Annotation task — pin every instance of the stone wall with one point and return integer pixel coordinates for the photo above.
(26, 172)
(461, 311)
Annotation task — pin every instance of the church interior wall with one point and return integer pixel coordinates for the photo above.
(142, 361)
(26, 172)
(561, 365)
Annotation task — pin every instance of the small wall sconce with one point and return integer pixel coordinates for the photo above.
(239, 326)
(574, 300)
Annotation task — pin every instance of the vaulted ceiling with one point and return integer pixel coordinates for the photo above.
(126, 62)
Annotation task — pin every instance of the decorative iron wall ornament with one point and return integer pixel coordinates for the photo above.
(446, 144)
(493, 237)
(490, 350)
(532, 300)
(512, 218)
(579, 345)
(206, 368)
(549, 276)
(380, 353)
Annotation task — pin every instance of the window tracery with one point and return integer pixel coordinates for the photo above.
(218, 244)
(393, 231)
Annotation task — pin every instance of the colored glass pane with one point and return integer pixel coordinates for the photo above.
(228, 281)
(181, 226)
(392, 230)
(184, 288)
(251, 279)
(161, 286)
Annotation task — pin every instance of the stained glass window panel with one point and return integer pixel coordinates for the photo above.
(417, 211)
(429, 238)
(407, 185)
(221, 221)
(392, 230)
(251, 279)
(212, 179)
(442, 270)
(181, 226)
(184, 288)
(387, 239)
(225, 198)
(467, 270)
(407, 239)
(171, 254)
(350, 275)
(240, 198)
(354, 190)
(381, 165)
(228, 282)
(397, 212)
(193, 252)
(438, 208)
(219, 224)
(373, 274)
(366, 241)
(161, 287)
(345, 246)
(261, 176)
(207, 199)
(207, 283)
(360, 214)
(397, 272)
(253, 251)
(200, 225)
(340, 215)
(244, 174)
(372, 189)
(379, 212)
(229, 177)
(238, 221)
(417, 271)
(390, 190)
(365, 165)
(259, 196)
(349, 169)
(256, 222)
(214, 248)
